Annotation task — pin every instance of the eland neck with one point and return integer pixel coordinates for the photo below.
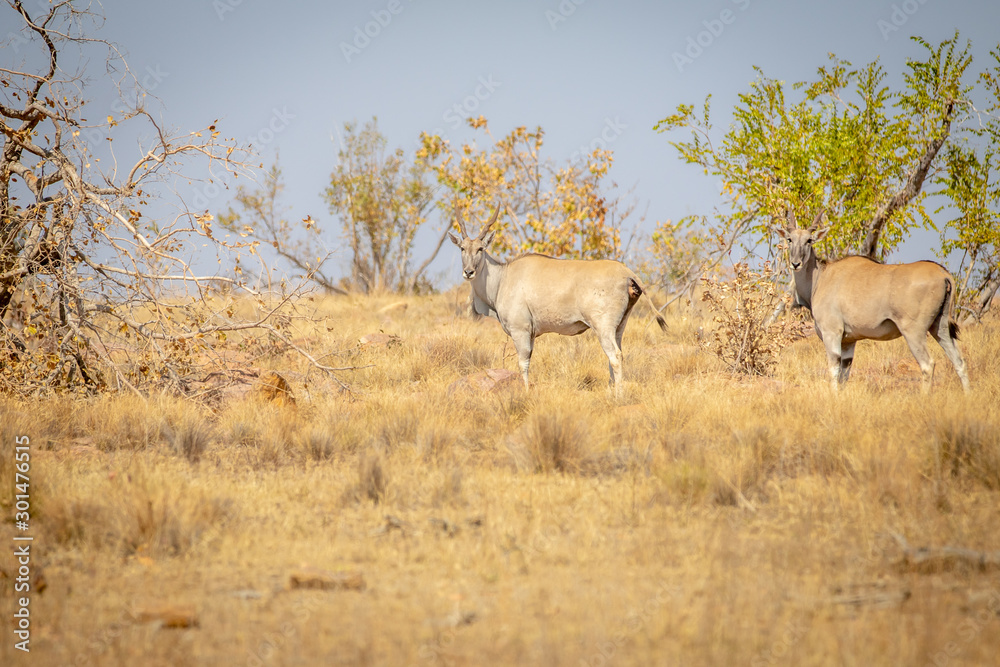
(486, 284)
(806, 280)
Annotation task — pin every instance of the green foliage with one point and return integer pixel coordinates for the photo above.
(970, 183)
(845, 142)
(974, 234)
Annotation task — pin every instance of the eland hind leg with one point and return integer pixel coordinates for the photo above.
(609, 343)
(612, 346)
(946, 333)
(918, 347)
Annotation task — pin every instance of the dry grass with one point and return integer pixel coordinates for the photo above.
(699, 520)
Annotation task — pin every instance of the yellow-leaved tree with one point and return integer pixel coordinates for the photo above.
(562, 210)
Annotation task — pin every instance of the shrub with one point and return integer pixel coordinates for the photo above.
(741, 308)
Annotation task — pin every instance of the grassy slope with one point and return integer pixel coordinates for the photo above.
(700, 520)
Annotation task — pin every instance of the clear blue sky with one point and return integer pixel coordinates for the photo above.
(279, 72)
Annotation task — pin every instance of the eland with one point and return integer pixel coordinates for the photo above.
(857, 298)
(536, 294)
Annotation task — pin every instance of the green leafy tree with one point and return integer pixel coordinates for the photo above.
(844, 142)
(970, 183)
(381, 201)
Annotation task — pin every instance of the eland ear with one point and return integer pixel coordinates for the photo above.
(454, 239)
(819, 234)
(488, 239)
(782, 232)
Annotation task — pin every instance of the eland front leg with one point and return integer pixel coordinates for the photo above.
(846, 360)
(524, 343)
(834, 343)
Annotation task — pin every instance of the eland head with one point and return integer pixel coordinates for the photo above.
(474, 248)
(800, 241)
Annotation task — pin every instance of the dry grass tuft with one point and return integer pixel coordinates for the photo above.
(134, 511)
(373, 483)
(967, 449)
(190, 437)
(548, 443)
(318, 442)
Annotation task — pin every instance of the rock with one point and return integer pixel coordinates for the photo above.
(489, 381)
(311, 577)
(168, 615)
(272, 387)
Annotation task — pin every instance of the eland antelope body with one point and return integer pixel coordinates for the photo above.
(535, 294)
(857, 298)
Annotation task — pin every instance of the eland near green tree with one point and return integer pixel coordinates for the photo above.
(857, 298)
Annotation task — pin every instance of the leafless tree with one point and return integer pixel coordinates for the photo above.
(94, 292)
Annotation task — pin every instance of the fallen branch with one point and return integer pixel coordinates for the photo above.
(939, 559)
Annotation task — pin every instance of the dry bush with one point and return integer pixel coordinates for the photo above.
(740, 309)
